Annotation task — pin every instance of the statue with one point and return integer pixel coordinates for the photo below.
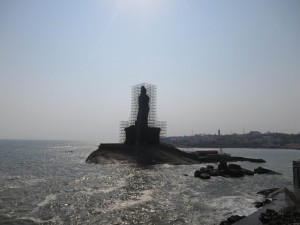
(141, 133)
(142, 117)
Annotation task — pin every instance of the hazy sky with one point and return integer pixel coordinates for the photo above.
(67, 67)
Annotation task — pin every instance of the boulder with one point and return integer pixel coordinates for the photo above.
(266, 192)
(261, 170)
(235, 173)
(234, 166)
(223, 165)
(261, 204)
(204, 176)
(197, 173)
(214, 172)
(201, 174)
(224, 170)
(268, 215)
(209, 167)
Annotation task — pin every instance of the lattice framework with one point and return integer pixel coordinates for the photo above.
(152, 119)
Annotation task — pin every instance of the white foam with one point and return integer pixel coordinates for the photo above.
(119, 204)
(13, 186)
(241, 205)
(119, 184)
(54, 220)
(34, 181)
(90, 191)
(13, 177)
(48, 199)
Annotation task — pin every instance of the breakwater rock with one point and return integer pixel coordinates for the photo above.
(261, 170)
(287, 216)
(268, 198)
(224, 170)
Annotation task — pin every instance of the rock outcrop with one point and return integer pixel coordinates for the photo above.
(261, 170)
(232, 219)
(224, 170)
(231, 170)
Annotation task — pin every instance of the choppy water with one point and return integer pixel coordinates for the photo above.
(48, 182)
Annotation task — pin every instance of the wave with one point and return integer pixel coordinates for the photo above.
(54, 220)
(145, 196)
(48, 199)
(241, 205)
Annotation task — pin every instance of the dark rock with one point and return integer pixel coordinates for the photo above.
(197, 173)
(224, 170)
(287, 216)
(258, 204)
(214, 172)
(234, 166)
(232, 219)
(203, 169)
(224, 175)
(235, 173)
(247, 172)
(266, 192)
(266, 217)
(209, 167)
(185, 175)
(271, 212)
(267, 201)
(201, 174)
(204, 176)
(261, 170)
(261, 204)
(223, 165)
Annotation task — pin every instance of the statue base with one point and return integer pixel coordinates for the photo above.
(142, 136)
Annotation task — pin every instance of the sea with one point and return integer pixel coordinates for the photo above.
(48, 182)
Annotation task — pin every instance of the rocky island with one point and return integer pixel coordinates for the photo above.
(142, 142)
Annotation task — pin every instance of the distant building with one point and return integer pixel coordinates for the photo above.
(254, 134)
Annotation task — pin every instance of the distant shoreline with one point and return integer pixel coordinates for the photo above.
(254, 139)
(248, 147)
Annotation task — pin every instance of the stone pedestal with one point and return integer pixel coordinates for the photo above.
(142, 136)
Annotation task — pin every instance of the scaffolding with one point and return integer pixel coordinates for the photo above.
(152, 118)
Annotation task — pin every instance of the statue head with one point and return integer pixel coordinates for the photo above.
(143, 90)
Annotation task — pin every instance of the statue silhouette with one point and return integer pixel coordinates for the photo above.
(142, 117)
(141, 133)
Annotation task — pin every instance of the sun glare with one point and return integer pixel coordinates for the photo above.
(142, 6)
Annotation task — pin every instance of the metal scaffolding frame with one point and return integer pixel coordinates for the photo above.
(152, 118)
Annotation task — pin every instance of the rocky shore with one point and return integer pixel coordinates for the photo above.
(287, 216)
(282, 209)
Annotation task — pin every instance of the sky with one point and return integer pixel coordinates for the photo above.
(67, 66)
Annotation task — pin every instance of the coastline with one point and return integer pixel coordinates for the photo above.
(285, 201)
(238, 146)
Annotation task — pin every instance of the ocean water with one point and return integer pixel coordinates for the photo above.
(48, 182)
